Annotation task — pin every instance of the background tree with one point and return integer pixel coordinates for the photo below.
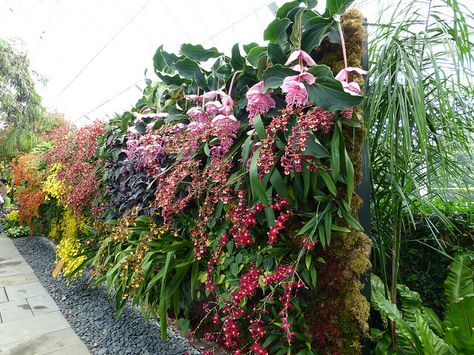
(22, 116)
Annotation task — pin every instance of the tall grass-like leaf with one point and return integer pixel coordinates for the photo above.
(419, 117)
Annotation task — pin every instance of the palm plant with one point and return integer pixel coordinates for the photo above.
(419, 117)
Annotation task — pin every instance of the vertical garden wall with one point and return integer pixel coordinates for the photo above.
(226, 197)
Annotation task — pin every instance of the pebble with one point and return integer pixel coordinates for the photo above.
(91, 313)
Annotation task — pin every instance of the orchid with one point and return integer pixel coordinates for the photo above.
(295, 90)
(350, 87)
(300, 55)
(258, 102)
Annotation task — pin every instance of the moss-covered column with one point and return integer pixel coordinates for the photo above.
(341, 311)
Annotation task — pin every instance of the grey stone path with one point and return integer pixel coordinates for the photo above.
(30, 321)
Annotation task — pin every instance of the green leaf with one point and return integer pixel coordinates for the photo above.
(276, 31)
(307, 260)
(254, 55)
(258, 191)
(237, 61)
(164, 61)
(258, 124)
(336, 7)
(173, 80)
(351, 220)
(349, 169)
(315, 28)
(278, 184)
(315, 148)
(335, 153)
(459, 323)
(163, 299)
(248, 47)
(432, 344)
(328, 94)
(286, 8)
(274, 75)
(190, 69)
(275, 54)
(295, 37)
(460, 280)
(314, 277)
(328, 181)
(197, 52)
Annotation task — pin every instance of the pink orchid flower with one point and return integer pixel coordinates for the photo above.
(227, 104)
(299, 54)
(195, 113)
(309, 78)
(295, 92)
(258, 102)
(350, 87)
(226, 124)
(212, 107)
(299, 68)
(193, 98)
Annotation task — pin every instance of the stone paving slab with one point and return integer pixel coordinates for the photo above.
(23, 291)
(30, 320)
(42, 304)
(60, 342)
(15, 310)
(17, 279)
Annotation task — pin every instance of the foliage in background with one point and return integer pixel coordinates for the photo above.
(22, 116)
(419, 118)
(419, 329)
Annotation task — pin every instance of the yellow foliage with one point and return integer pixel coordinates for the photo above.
(13, 216)
(69, 246)
(53, 187)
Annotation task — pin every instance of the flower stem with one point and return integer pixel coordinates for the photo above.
(343, 43)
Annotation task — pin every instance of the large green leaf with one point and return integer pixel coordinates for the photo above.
(406, 335)
(198, 52)
(315, 28)
(275, 54)
(432, 343)
(459, 282)
(237, 61)
(254, 54)
(459, 325)
(164, 61)
(274, 75)
(329, 95)
(336, 7)
(190, 69)
(276, 31)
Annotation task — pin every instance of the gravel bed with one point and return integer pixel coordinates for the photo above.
(91, 313)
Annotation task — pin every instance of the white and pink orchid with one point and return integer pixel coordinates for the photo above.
(257, 101)
(296, 93)
(350, 87)
(300, 55)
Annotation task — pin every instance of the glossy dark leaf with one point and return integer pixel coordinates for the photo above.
(276, 31)
(336, 7)
(198, 52)
(274, 75)
(254, 55)
(237, 61)
(328, 94)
